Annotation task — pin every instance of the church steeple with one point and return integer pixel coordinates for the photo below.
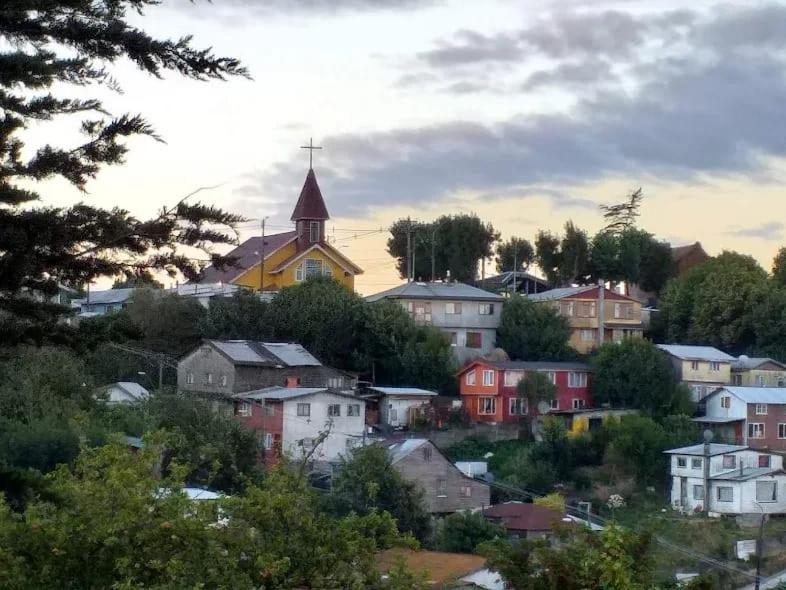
(310, 212)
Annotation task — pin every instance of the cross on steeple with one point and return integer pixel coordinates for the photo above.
(310, 147)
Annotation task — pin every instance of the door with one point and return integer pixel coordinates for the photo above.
(684, 492)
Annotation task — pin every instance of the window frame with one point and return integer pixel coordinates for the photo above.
(304, 410)
(732, 462)
(781, 430)
(725, 402)
(512, 378)
(487, 400)
(582, 379)
(470, 336)
(694, 365)
(682, 462)
(270, 410)
(334, 410)
(518, 406)
(492, 378)
(471, 377)
(311, 226)
(714, 366)
(773, 496)
(696, 463)
(554, 405)
(578, 403)
(587, 335)
(452, 308)
(760, 409)
(268, 441)
(720, 489)
(485, 309)
(244, 409)
(353, 410)
(189, 378)
(441, 486)
(698, 488)
(764, 461)
(753, 427)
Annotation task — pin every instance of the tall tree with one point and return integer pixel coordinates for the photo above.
(50, 46)
(779, 267)
(547, 255)
(515, 254)
(574, 254)
(768, 321)
(533, 331)
(462, 241)
(622, 216)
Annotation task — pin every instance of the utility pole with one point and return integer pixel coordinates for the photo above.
(515, 266)
(262, 259)
(759, 548)
(434, 253)
(409, 249)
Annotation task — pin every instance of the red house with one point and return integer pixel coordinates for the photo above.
(488, 388)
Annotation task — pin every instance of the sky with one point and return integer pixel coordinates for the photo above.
(527, 113)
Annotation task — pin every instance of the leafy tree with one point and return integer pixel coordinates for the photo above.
(622, 216)
(533, 331)
(461, 241)
(53, 46)
(462, 532)
(631, 255)
(656, 266)
(535, 387)
(240, 317)
(516, 253)
(548, 256)
(779, 267)
(367, 481)
(554, 501)
(142, 281)
(40, 445)
(111, 524)
(605, 257)
(574, 256)
(635, 374)
(36, 383)
(427, 360)
(170, 324)
(768, 321)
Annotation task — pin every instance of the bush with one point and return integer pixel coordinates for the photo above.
(462, 532)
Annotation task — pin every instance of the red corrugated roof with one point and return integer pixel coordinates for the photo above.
(247, 255)
(519, 516)
(310, 204)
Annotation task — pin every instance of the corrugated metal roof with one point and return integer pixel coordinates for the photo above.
(279, 393)
(402, 391)
(747, 473)
(106, 297)
(696, 353)
(715, 449)
(745, 363)
(560, 293)
(133, 389)
(240, 351)
(266, 353)
(293, 355)
(437, 290)
(756, 395)
(400, 450)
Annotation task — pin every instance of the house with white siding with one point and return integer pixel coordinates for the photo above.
(400, 406)
(739, 480)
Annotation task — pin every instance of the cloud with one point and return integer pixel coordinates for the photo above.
(592, 71)
(773, 230)
(697, 112)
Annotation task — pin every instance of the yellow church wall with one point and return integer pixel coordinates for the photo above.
(287, 277)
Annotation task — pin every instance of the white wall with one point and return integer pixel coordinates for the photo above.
(343, 428)
(401, 407)
(737, 409)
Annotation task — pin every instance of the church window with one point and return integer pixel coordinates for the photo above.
(314, 231)
(312, 267)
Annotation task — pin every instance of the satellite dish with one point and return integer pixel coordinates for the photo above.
(543, 407)
(708, 436)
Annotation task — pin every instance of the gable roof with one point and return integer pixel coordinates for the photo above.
(440, 568)
(754, 395)
(695, 353)
(680, 252)
(134, 390)
(521, 516)
(405, 448)
(106, 297)
(698, 450)
(746, 473)
(310, 204)
(530, 365)
(403, 391)
(745, 363)
(436, 290)
(247, 257)
(249, 352)
(560, 293)
(506, 277)
(328, 251)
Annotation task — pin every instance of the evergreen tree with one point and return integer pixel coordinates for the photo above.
(50, 46)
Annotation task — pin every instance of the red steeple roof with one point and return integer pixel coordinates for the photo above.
(310, 205)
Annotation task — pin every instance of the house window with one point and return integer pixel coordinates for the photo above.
(756, 430)
(422, 311)
(578, 404)
(761, 409)
(554, 404)
(766, 491)
(781, 430)
(470, 378)
(512, 378)
(694, 365)
(518, 406)
(725, 494)
(736, 379)
(453, 339)
(466, 491)
(268, 441)
(313, 231)
(243, 409)
(224, 380)
(577, 379)
(334, 410)
(682, 462)
(487, 405)
(311, 267)
(442, 487)
(474, 340)
(270, 410)
(427, 453)
(304, 409)
(729, 462)
(452, 308)
(566, 308)
(486, 309)
(189, 378)
(335, 382)
(759, 380)
(353, 410)
(586, 309)
(698, 492)
(552, 377)
(714, 366)
(726, 401)
(488, 377)
(209, 378)
(764, 460)
(587, 335)
(695, 463)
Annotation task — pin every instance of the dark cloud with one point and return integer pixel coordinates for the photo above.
(470, 47)
(705, 111)
(773, 230)
(569, 75)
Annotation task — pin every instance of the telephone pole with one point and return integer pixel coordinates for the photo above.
(515, 266)
(262, 259)
(434, 253)
(410, 265)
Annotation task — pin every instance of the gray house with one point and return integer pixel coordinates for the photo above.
(468, 315)
(103, 302)
(235, 366)
(447, 489)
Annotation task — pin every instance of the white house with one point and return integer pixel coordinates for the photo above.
(399, 406)
(292, 419)
(740, 480)
(125, 392)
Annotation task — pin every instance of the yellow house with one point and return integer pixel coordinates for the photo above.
(758, 372)
(702, 368)
(291, 257)
(595, 315)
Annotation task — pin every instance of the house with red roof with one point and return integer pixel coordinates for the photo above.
(525, 521)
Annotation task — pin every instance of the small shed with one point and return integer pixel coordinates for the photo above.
(125, 392)
(400, 406)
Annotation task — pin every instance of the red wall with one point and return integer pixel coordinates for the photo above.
(776, 413)
(264, 424)
(470, 394)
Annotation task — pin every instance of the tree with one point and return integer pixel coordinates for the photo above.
(635, 374)
(535, 387)
(779, 267)
(768, 321)
(622, 216)
(656, 266)
(427, 360)
(548, 256)
(170, 324)
(574, 256)
(460, 242)
(240, 317)
(515, 254)
(144, 281)
(50, 46)
(533, 331)
(367, 481)
(462, 532)
(631, 255)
